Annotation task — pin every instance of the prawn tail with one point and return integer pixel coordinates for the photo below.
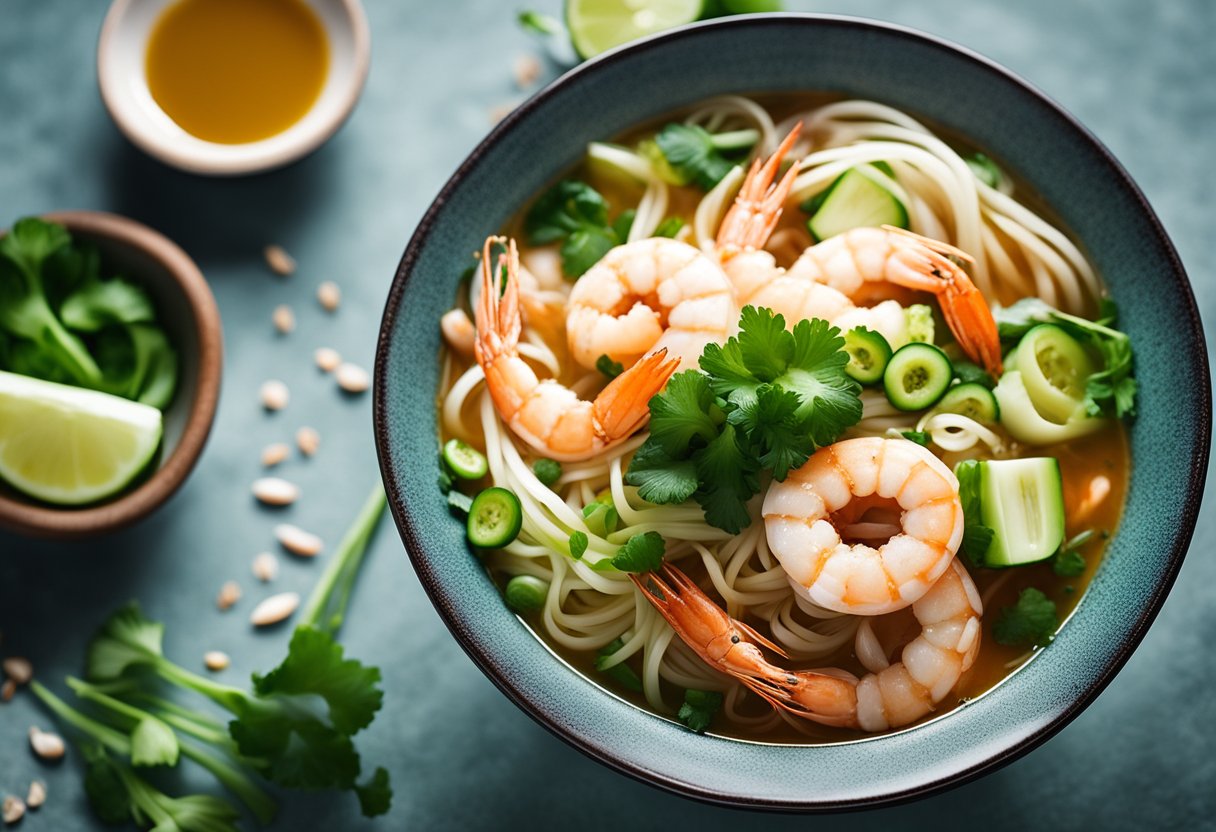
(751, 220)
(624, 405)
(933, 266)
(497, 314)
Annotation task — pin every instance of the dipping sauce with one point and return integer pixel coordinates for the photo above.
(237, 71)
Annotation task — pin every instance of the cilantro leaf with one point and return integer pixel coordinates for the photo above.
(376, 795)
(1068, 563)
(693, 155)
(126, 639)
(772, 423)
(729, 478)
(641, 553)
(564, 209)
(575, 214)
(920, 437)
(97, 303)
(699, 708)
(620, 672)
(608, 367)
(585, 247)
(1030, 622)
(968, 373)
(659, 478)
(315, 665)
(578, 544)
(682, 412)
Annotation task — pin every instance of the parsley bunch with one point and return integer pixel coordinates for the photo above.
(294, 727)
(576, 214)
(763, 401)
(1111, 391)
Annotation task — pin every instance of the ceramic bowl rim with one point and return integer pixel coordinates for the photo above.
(254, 157)
(610, 755)
(41, 520)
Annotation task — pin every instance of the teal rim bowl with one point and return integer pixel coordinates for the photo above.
(1074, 174)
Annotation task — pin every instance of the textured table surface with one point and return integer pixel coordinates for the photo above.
(1138, 74)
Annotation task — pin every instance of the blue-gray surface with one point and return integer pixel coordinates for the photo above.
(1138, 74)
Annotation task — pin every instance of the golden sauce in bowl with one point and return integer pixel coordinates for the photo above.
(237, 71)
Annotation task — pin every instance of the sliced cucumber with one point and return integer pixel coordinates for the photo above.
(1022, 501)
(1025, 424)
(868, 353)
(973, 400)
(917, 376)
(855, 200)
(466, 462)
(495, 518)
(1054, 368)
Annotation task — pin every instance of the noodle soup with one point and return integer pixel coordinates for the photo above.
(1021, 416)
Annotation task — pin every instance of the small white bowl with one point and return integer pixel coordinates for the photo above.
(121, 62)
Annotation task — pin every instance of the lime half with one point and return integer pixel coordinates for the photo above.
(71, 446)
(598, 25)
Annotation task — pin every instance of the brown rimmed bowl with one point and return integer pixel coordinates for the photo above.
(187, 309)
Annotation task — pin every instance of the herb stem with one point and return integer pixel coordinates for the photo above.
(340, 573)
(104, 734)
(233, 779)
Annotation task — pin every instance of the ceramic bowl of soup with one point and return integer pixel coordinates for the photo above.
(794, 63)
(226, 87)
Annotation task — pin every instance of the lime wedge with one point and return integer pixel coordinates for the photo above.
(70, 446)
(598, 25)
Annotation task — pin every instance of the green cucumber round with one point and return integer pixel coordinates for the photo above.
(868, 353)
(973, 400)
(917, 376)
(495, 518)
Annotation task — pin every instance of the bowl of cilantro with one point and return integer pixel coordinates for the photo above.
(619, 92)
(110, 361)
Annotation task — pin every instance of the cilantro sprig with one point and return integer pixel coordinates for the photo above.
(1031, 622)
(686, 153)
(576, 215)
(61, 321)
(698, 709)
(762, 402)
(293, 727)
(1110, 392)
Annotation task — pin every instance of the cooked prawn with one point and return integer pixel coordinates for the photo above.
(544, 413)
(649, 295)
(805, 514)
(832, 278)
(929, 668)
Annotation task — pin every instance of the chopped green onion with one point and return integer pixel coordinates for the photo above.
(525, 593)
(548, 471)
